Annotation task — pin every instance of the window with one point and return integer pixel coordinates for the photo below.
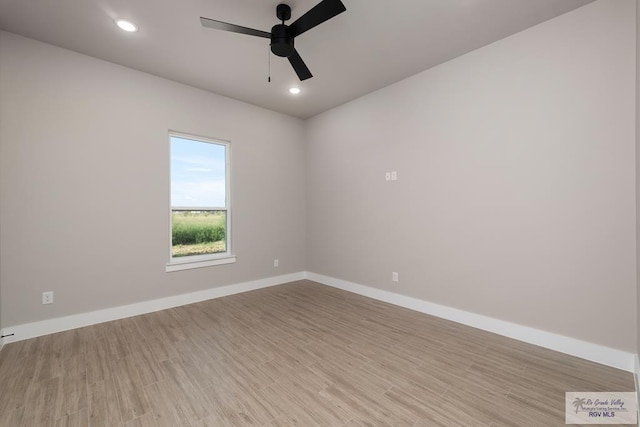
(200, 209)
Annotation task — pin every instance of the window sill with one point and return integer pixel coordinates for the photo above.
(187, 265)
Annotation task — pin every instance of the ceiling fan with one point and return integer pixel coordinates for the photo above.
(282, 36)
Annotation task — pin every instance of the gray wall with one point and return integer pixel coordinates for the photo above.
(638, 173)
(84, 183)
(515, 196)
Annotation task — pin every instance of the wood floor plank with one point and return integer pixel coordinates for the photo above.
(188, 395)
(166, 404)
(116, 340)
(418, 401)
(97, 360)
(367, 408)
(314, 406)
(132, 400)
(298, 354)
(103, 404)
(76, 419)
(256, 405)
(14, 416)
(73, 354)
(145, 420)
(226, 410)
(74, 393)
(50, 356)
(147, 364)
(43, 404)
(286, 366)
(17, 381)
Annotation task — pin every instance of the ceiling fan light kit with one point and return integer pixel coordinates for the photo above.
(282, 36)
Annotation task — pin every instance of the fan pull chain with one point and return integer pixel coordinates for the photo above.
(269, 61)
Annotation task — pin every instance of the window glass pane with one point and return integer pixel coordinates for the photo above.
(198, 232)
(199, 210)
(197, 173)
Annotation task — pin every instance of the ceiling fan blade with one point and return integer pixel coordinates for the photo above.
(299, 66)
(321, 12)
(219, 25)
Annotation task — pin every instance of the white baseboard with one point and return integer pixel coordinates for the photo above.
(585, 350)
(50, 326)
(594, 352)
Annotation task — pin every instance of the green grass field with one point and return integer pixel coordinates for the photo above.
(198, 233)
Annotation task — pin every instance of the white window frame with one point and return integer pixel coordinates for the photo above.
(207, 260)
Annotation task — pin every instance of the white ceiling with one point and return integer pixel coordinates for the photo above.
(371, 45)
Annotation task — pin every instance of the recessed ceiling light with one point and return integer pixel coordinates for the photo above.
(127, 25)
(294, 90)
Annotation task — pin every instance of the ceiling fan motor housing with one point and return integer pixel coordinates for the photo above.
(281, 41)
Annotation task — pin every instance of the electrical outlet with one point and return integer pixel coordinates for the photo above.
(394, 176)
(276, 263)
(394, 276)
(47, 297)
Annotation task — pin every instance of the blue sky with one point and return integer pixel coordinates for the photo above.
(197, 173)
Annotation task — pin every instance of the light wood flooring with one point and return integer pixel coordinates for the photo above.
(298, 354)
